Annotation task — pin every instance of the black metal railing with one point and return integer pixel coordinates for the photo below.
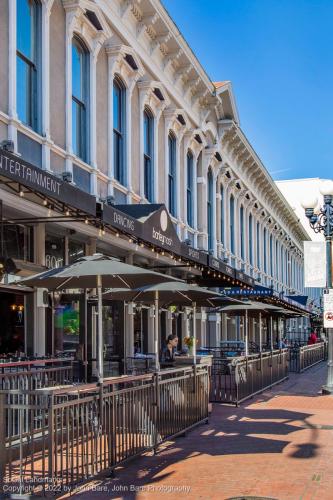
(235, 380)
(73, 434)
(20, 379)
(303, 357)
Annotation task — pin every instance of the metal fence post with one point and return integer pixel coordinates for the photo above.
(156, 410)
(2, 440)
(51, 431)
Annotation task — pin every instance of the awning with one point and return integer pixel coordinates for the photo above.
(41, 186)
(268, 295)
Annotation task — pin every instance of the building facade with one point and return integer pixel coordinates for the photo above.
(104, 102)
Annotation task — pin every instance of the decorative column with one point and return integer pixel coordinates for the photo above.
(71, 17)
(46, 12)
(156, 157)
(12, 112)
(39, 343)
(98, 42)
(128, 141)
(214, 325)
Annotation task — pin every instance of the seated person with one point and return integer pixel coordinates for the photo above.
(167, 356)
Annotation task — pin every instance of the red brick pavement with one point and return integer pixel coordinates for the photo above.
(278, 445)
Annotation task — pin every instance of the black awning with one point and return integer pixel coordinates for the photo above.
(39, 185)
(120, 220)
(157, 226)
(244, 278)
(221, 266)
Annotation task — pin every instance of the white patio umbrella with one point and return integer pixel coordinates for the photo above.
(96, 271)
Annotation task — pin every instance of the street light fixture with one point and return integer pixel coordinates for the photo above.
(321, 221)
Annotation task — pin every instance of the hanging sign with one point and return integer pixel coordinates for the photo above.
(328, 308)
(314, 264)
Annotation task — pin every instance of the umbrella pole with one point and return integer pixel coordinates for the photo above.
(271, 333)
(194, 305)
(100, 329)
(260, 333)
(246, 333)
(156, 324)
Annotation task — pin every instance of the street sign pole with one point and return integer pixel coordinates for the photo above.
(328, 307)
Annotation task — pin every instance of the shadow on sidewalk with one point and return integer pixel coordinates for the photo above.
(231, 431)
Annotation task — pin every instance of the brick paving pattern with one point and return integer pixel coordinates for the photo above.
(278, 445)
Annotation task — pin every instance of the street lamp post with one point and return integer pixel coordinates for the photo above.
(321, 221)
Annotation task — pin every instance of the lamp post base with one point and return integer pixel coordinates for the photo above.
(327, 389)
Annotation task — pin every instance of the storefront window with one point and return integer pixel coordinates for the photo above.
(67, 324)
(113, 330)
(76, 250)
(12, 324)
(18, 242)
(54, 251)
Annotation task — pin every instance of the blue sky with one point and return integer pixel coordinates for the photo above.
(279, 56)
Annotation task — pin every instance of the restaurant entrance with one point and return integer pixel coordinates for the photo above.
(12, 324)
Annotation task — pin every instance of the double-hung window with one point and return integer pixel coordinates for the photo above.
(119, 103)
(148, 127)
(258, 245)
(80, 99)
(28, 28)
(265, 250)
(232, 223)
(222, 213)
(172, 173)
(189, 189)
(210, 193)
(250, 239)
(242, 235)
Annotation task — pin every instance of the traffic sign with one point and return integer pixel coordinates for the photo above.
(328, 308)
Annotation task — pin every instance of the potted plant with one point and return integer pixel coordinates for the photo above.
(189, 342)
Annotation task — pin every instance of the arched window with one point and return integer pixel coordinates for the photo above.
(222, 213)
(258, 245)
(119, 129)
(189, 189)
(232, 223)
(282, 265)
(271, 254)
(28, 29)
(210, 182)
(265, 250)
(80, 99)
(241, 227)
(148, 137)
(277, 260)
(251, 239)
(172, 173)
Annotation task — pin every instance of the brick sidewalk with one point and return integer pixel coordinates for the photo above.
(278, 445)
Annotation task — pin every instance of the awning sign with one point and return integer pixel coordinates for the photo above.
(314, 264)
(328, 309)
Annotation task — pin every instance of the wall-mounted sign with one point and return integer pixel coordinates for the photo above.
(328, 308)
(121, 220)
(194, 254)
(157, 227)
(221, 266)
(244, 278)
(15, 168)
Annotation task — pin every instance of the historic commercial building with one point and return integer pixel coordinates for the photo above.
(115, 140)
